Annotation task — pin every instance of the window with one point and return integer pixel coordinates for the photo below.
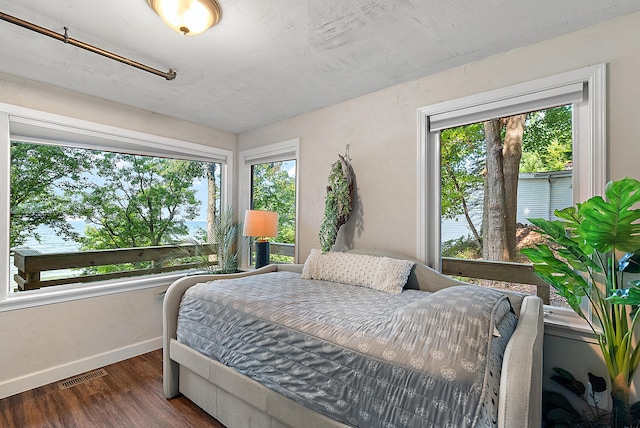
(583, 90)
(268, 181)
(71, 200)
(495, 176)
(99, 187)
(273, 188)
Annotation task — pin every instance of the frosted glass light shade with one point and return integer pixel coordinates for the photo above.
(260, 224)
(189, 17)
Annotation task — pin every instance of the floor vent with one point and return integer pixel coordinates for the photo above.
(85, 377)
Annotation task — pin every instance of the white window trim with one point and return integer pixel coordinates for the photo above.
(589, 152)
(135, 142)
(285, 150)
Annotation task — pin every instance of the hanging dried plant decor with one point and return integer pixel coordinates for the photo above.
(338, 202)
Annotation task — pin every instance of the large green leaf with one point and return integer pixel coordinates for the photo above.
(566, 281)
(613, 224)
(571, 216)
(562, 234)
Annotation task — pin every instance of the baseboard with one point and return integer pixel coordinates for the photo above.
(73, 368)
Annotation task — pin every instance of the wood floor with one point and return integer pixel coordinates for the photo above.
(129, 396)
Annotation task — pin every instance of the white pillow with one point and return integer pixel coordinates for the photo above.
(380, 273)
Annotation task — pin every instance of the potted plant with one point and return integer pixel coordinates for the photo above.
(225, 241)
(227, 236)
(594, 244)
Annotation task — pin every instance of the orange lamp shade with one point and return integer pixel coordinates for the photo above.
(260, 224)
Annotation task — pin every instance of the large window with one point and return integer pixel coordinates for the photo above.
(495, 176)
(89, 202)
(68, 200)
(454, 151)
(268, 181)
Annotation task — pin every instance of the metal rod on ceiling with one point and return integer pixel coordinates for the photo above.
(170, 75)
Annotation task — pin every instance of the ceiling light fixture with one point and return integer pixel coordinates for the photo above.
(189, 17)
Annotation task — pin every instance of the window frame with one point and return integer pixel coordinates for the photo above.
(48, 128)
(589, 158)
(275, 152)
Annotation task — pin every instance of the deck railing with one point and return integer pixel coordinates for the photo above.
(518, 273)
(281, 249)
(31, 264)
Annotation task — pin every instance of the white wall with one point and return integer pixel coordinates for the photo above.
(381, 131)
(47, 343)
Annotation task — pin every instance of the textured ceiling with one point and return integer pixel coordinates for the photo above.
(269, 60)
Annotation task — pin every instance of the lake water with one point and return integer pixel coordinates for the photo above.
(52, 243)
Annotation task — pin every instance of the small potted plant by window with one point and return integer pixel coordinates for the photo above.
(225, 242)
(592, 246)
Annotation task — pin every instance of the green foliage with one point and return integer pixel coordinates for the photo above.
(464, 247)
(129, 201)
(337, 204)
(40, 175)
(194, 250)
(274, 189)
(226, 234)
(220, 253)
(584, 264)
(547, 141)
(136, 201)
(463, 159)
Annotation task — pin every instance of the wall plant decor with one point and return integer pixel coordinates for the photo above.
(338, 203)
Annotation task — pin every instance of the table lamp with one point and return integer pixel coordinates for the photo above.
(261, 225)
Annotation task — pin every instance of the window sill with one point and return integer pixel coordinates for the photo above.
(563, 322)
(67, 293)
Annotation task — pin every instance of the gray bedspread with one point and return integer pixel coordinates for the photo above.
(360, 356)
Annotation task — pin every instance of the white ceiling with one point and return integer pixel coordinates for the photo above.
(271, 59)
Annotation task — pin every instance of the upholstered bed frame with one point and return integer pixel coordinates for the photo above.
(240, 402)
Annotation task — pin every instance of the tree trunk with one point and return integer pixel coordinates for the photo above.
(211, 199)
(511, 155)
(212, 213)
(620, 414)
(494, 242)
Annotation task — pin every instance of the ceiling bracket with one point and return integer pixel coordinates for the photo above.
(169, 75)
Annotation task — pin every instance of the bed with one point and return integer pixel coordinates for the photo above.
(333, 354)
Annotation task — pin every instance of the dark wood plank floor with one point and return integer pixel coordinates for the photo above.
(130, 396)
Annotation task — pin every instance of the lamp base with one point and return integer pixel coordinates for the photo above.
(262, 253)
